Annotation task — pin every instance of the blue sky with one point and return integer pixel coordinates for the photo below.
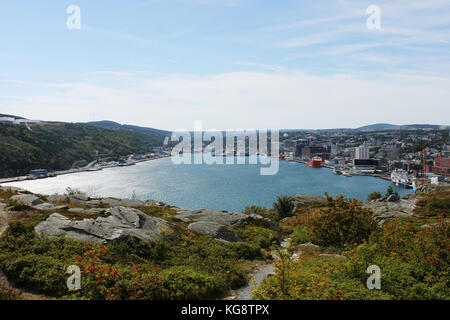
(228, 63)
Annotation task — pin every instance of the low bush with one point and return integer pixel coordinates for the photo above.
(342, 223)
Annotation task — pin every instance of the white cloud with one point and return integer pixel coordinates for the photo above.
(245, 99)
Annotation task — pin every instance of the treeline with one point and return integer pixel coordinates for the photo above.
(57, 146)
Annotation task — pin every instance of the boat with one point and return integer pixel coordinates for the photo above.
(281, 157)
(347, 174)
(401, 178)
(337, 171)
(316, 162)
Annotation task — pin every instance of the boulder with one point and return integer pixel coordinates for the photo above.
(115, 202)
(305, 199)
(214, 230)
(15, 189)
(75, 200)
(27, 199)
(49, 207)
(208, 222)
(122, 223)
(56, 198)
(221, 217)
(386, 209)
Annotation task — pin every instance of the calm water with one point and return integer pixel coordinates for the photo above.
(223, 187)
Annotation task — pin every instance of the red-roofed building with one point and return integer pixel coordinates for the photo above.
(441, 166)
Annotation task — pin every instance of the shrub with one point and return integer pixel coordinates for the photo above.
(284, 206)
(342, 223)
(259, 236)
(7, 293)
(16, 205)
(373, 196)
(301, 234)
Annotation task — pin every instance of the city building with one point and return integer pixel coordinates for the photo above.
(362, 152)
(441, 166)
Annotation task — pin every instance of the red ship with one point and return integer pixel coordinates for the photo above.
(315, 162)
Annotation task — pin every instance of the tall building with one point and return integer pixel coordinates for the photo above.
(362, 152)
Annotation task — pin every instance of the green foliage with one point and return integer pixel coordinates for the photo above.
(414, 263)
(268, 213)
(284, 206)
(183, 265)
(434, 204)
(390, 192)
(259, 236)
(301, 234)
(16, 205)
(56, 146)
(342, 223)
(373, 196)
(5, 194)
(157, 211)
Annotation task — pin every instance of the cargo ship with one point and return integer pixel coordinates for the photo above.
(316, 162)
(401, 178)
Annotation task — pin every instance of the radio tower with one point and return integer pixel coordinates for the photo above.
(424, 164)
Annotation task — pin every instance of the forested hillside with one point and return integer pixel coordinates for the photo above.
(56, 145)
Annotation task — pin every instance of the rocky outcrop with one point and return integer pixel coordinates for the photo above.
(216, 223)
(49, 207)
(27, 199)
(305, 199)
(122, 223)
(385, 208)
(214, 230)
(221, 217)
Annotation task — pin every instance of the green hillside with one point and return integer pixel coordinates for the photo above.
(57, 146)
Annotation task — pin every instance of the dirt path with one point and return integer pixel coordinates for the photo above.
(4, 219)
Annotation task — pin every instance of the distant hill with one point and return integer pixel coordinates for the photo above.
(58, 145)
(387, 126)
(115, 125)
(10, 116)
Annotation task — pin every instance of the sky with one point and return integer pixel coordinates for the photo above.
(228, 63)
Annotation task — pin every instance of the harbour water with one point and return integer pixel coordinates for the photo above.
(222, 187)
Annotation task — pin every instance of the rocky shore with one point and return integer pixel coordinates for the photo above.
(108, 219)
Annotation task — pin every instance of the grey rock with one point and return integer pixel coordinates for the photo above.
(392, 198)
(210, 220)
(122, 223)
(56, 198)
(15, 189)
(214, 230)
(80, 196)
(305, 199)
(49, 207)
(385, 209)
(114, 202)
(78, 210)
(27, 199)
(78, 202)
(221, 217)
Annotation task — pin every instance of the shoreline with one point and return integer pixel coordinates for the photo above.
(87, 168)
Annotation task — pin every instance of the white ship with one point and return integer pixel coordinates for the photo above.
(401, 178)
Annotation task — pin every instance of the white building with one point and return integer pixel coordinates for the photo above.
(361, 152)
